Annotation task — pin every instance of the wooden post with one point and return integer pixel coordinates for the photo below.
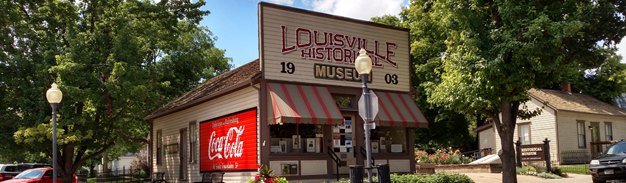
(546, 150)
(518, 155)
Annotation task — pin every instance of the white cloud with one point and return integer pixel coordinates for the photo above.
(358, 9)
(621, 50)
(285, 2)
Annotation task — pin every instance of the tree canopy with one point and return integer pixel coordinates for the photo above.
(484, 55)
(115, 62)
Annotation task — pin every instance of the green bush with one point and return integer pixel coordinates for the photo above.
(414, 178)
(558, 171)
(526, 170)
(548, 175)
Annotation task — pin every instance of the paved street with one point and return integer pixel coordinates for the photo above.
(497, 178)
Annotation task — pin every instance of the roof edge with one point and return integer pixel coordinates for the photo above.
(542, 101)
(590, 113)
(234, 87)
(483, 127)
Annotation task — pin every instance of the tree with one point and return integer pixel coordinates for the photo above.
(447, 128)
(115, 61)
(495, 51)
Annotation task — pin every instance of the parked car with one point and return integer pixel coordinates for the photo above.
(37, 175)
(25, 166)
(8, 171)
(611, 165)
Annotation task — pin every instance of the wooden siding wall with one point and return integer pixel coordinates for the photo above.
(541, 127)
(568, 131)
(171, 124)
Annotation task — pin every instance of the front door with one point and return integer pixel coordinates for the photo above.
(343, 144)
(595, 137)
(182, 154)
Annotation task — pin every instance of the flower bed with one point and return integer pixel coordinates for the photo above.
(442, 156)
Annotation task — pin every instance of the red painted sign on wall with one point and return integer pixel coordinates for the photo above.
(229, 143)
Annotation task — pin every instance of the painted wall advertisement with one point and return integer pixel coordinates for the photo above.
(229, 142)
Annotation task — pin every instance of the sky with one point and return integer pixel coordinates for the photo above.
(235, 22)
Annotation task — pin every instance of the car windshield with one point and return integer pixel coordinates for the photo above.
(29, 174)
(616, 149)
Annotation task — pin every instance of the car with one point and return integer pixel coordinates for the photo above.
(25, 166)
(37, 175)
(8, 171)
(611, 165)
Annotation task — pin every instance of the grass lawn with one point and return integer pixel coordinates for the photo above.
(577, 169)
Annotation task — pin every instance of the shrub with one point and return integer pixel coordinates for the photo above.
(548, 175)
(434, 178)
(558, 171)
(526, 170)
(442, 156)
(266, 175)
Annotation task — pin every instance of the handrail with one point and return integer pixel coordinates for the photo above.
(364, 153)
(335, 158)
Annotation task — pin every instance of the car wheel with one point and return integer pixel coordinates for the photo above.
(598, 181)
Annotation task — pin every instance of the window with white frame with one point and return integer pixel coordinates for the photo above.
(193, 138)
(581, 134)
(524, 133)
(608, 131)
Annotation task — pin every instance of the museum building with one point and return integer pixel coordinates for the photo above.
(295, 109)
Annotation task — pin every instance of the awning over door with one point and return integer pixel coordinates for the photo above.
(301, 104)
(395, 109)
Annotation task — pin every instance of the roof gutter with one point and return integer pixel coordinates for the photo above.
(231, 88)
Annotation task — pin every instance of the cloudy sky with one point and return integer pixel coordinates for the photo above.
(235, 22)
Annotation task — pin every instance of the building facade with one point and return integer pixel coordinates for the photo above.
(296, 107)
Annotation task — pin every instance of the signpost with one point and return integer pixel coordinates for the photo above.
(374, 102)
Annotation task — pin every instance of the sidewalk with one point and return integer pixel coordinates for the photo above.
(497, 178)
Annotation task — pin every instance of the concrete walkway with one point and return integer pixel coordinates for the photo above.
(497, 178)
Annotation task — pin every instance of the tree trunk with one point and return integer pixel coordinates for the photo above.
(506, 128)
(508, 158)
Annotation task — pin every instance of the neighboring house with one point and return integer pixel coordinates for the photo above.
(570, 121)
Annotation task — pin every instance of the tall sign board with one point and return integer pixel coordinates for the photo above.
(303, 46)
(229, 143)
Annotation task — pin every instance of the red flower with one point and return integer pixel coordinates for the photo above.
(256, 178)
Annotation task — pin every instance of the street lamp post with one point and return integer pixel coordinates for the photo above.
(363, 65)
(54, 96)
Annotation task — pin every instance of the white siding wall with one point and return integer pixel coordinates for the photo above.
(568, 131)
(171, 124)
(541, 127)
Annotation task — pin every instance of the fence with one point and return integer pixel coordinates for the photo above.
(123, 175)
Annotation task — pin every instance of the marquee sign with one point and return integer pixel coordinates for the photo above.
(304, 46)
(229, 143)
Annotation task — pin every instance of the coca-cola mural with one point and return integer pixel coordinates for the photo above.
(228, 143)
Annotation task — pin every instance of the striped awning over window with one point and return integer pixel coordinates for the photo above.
(301, 104)
(395, 109)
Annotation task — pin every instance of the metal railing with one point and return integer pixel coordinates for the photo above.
(364, 153)
(335, 158)
(123, 175)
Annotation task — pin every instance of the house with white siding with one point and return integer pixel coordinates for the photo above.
(569, 120)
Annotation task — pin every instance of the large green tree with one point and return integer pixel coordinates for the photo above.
(115, 61)
(495, 51)
(447, 128)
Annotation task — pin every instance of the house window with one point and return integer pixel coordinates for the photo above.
(296, 138)
(608, 129)
(159, 148)
(193, 138)
(581, 134)
(524, 133)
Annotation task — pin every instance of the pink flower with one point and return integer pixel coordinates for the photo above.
(256, 178)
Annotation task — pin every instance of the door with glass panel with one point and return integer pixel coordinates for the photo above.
(343, 144)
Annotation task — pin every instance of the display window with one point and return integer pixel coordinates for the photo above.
(387, 139)
(296, 138)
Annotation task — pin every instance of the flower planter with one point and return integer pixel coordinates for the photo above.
(424, 168)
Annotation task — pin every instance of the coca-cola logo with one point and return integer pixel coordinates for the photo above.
(228, 146)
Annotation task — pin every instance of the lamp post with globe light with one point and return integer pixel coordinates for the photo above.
(54, 96)
(363, 65)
